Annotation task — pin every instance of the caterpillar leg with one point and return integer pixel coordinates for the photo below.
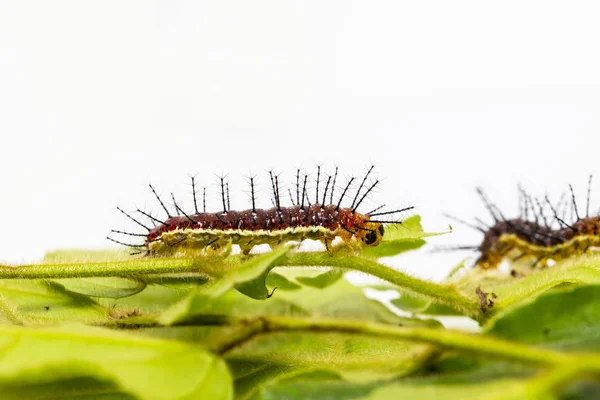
(326, 243)
(245, 248)
(537, 262)
(517, 258)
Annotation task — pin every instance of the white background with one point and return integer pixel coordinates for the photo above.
(99, 98)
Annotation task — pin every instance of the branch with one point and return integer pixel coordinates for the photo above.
(149, 266)
(213, 267)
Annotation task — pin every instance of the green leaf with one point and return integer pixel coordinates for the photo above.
(438, 389)
(43, 302)
(415, 303)
(181, 281)
(458, 267)
(436, 309)
(356, 358)
(198, 334)
(400, 238)
(103, 287)
(511, 291)
(341, 300)
(154, 299)
(248, 278)
(411, 302)
(567, 319)
(251, 379)
(323, 280)
(299, 389)
(234, 304)
(280, 282)
(76, 388)
(48, 361)
(506, 389)
(269, 358)
(461, 386)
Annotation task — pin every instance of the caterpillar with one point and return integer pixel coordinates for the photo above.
(322, 220)
(535, 236)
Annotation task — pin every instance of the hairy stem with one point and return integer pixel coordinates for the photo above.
(213, 267)
(148, 266)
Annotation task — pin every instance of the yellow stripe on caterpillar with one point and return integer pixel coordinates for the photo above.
(575, 246)
(197, 239)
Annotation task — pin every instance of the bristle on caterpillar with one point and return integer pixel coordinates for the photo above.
(322, 220)
(535, 235)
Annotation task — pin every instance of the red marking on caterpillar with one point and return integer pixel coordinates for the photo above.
(538, 237)
(323, 220)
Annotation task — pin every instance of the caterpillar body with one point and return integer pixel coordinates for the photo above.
(531, 236)
(323, 221)
(529, 239)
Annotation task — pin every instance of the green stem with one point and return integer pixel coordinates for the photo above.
(148, 266)
(440, 293)
(245, 329)
(214, 267)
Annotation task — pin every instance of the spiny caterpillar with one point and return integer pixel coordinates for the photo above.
(321, 220)
(535, 237)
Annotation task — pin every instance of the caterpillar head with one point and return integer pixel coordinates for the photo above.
(373, 236)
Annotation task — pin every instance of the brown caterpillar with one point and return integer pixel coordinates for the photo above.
(199, 231)
(536, 238)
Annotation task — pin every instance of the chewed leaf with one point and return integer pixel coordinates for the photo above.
(399, 238)
(248, 278)
(566, 319)
(103, 287)
(323, 280)
(47, 363)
